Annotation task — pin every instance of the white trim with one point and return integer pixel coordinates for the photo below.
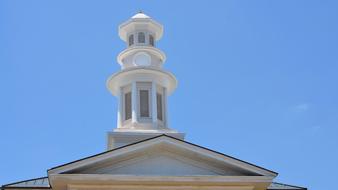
(216, 156)
(160, 90)
(124, 90)
(133, 103)
(165, 104)
(61, 181)
(144, 86)
(120, 108)
(148, 23)
(159, 187)
(136, 48)
(141, 74)
(154, 103)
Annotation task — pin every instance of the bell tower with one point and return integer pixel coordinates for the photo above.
(141, 86)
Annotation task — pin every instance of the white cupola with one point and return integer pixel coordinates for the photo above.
(140, 34)
(142, 86)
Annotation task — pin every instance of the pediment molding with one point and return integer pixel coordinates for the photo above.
(165, 145)
(131, 182)
(157, 187)
(154, 160)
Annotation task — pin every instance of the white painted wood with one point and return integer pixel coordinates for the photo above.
(133, 103)
(154, 104)
(129, 182)
(159, 187)
(141, 62)
(120, 108)
(165, 112)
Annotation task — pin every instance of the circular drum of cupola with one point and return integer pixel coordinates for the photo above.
(129, 54)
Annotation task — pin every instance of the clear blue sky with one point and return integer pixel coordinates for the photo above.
(258, 80)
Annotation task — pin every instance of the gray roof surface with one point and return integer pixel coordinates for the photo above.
(281, 186)
(44, 183)
(41, 182)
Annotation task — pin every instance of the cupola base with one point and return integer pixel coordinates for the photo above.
(118, 139)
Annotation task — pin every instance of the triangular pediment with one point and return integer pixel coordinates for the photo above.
(154, 164)
(162, 156)
(160, 163)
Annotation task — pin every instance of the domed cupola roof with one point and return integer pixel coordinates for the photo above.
(140, 15)
(140, 21)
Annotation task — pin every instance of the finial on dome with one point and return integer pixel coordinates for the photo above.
(140, 14)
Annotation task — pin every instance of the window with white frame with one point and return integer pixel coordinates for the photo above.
(144, 103)
(159, 102)
(127, 106)
(131, 39)
(141, 38)
(126, 103)
(144, 100)
(151, 40)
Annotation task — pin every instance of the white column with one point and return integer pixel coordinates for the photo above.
(120, 108)
(165, 109)
(154, 104)
(133, 102)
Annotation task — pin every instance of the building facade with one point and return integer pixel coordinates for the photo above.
(143, 152)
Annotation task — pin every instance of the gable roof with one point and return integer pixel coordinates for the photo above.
(43, 182)
(163, 137)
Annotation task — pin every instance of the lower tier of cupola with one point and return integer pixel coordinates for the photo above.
(142, 104)
(142, 98)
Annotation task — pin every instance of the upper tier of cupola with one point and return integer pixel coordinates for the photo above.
(141, 33)
(141, 23)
